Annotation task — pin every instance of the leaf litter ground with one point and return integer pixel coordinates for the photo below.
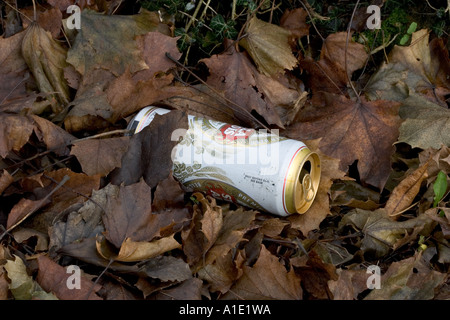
(76, 191)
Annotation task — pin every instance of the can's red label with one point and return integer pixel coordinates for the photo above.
(232, 132)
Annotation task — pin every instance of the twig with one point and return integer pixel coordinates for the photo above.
(17, 10)
(98, 278)
(346, 48)
(307, 9)
(194, 16)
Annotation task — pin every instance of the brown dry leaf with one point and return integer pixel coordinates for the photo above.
(315, 276)
(268, 45)
(5, 180)
(383, 234)
(129, 215)
(132, 251)
(440, 160)
(409, 279)
(17, 129)
(295, 21)
(267, 279)
(426, 124)
(329, 73)
(352, 130)
(149, 151)
(100, 156)
(352, 194)
(79, 183)
(404, 193)
(427, 65)
(53, 278)
(349, 284)
(188, 290)
(13, 68)
(206, 224)
(233, 74)
(46, 59)
(108, 42)
(320, 208)
(23, 209)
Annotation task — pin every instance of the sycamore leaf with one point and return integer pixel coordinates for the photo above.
(266, 279)
(268, 45)
(426, 124)
(352, 130)
(137, 251)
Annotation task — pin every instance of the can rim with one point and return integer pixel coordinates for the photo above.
(293, 189)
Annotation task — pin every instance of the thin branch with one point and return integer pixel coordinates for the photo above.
(346, 57)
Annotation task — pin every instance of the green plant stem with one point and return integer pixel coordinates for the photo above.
(194, 15)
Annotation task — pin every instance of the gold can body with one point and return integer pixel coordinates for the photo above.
(257, 169)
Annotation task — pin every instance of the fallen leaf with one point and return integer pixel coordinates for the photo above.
(268, 45)
(17, 129)
(141, 160)
(100, 156)
(329, 74)
(405, 192)
(22, 286)
(440, 161)
(167, 268)
(408, 279)
(381, 233)
(352, 194)
(426, 124)
(315, 276)
(5, 180)
(233, 74)
(53, 278)
(187, 290)
(108, 42)
(129, 215)
(46, 59)
(349, 284)
(295, 21)
(266, 280)
(132, 251)
(206, 223)
(352, 130)
(427, 64)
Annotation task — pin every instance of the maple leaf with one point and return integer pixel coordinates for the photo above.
(234, 74)
(353, 130)
(267, 279)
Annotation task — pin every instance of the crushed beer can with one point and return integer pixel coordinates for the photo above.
(254, 168)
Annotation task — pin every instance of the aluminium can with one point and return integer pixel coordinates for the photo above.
(254, 168)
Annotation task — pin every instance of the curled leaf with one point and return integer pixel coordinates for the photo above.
(46, 60)
(268, 45)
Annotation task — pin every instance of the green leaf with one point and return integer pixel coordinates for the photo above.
(404, 40)
(439, 188)
(224, 29)
(412, 28)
